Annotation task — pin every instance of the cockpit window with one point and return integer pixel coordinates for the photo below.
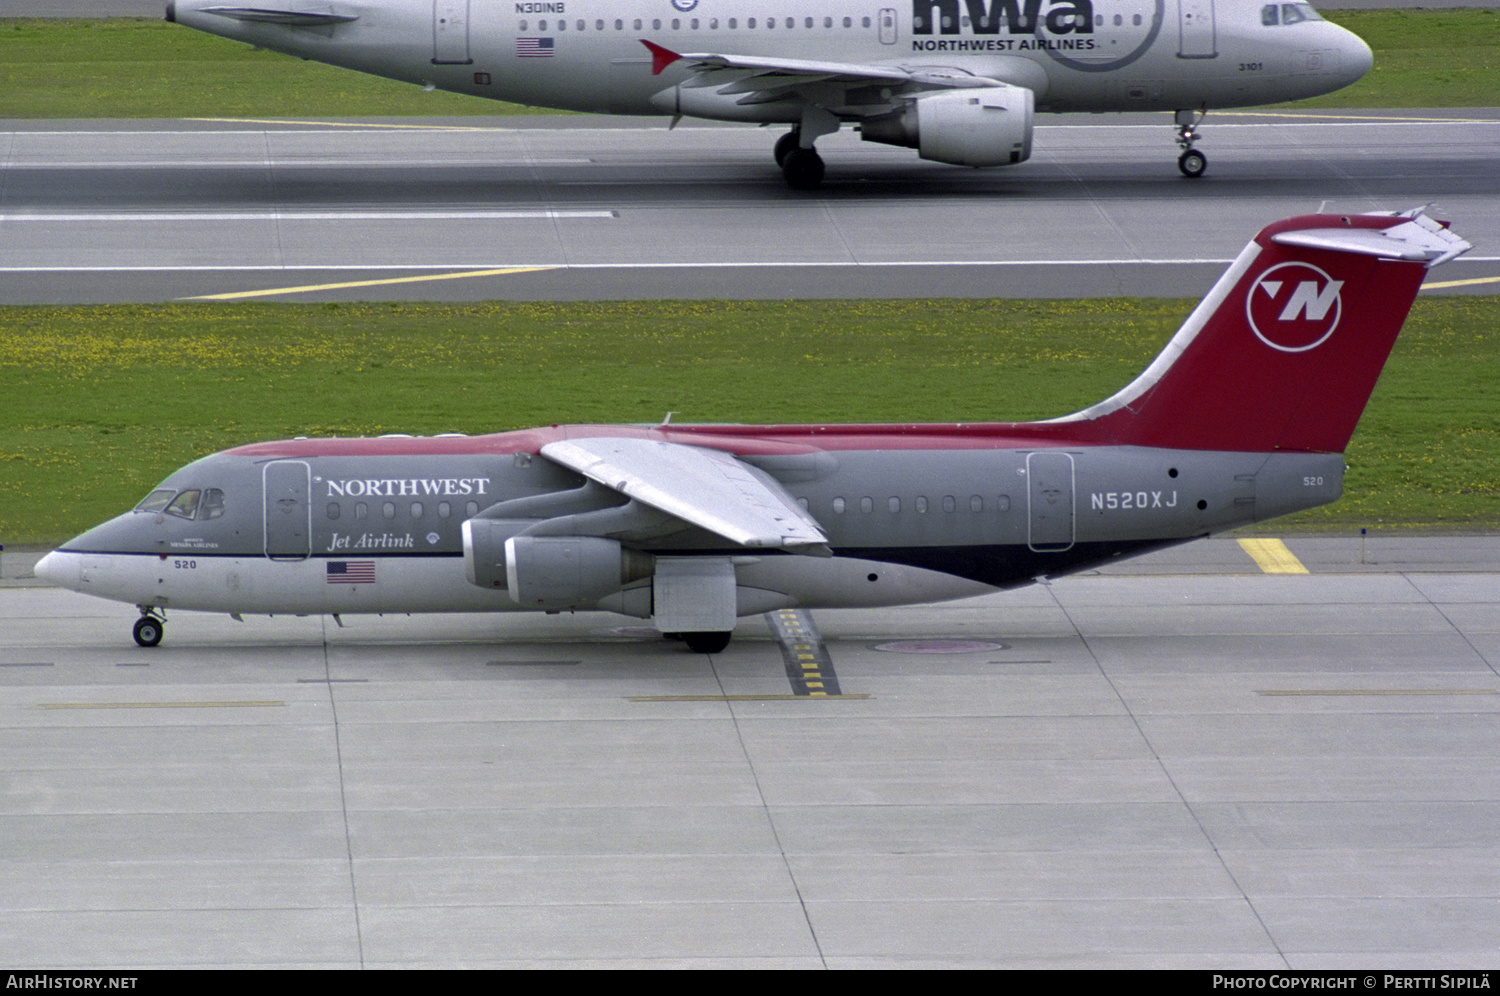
(194, 503)
(1287, 13)
(155, 501)
(185, 505)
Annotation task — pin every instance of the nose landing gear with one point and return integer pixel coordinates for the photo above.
(1191, 162)
(150, 627)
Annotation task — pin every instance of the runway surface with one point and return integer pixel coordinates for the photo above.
(598, 208)
(1182, 763)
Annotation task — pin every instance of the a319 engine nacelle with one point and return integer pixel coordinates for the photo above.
(976, 127)
(550, 573)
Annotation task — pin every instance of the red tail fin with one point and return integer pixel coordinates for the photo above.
(1285, 350)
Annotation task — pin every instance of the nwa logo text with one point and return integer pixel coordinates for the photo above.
(1294, 307)
(1018, 17)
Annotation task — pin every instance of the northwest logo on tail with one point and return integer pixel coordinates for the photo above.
(1294, 307)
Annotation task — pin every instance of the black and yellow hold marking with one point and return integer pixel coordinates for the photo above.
(808, 666)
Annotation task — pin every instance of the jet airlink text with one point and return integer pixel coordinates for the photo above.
(372, 541)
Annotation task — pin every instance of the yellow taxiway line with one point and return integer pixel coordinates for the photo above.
(1462, 283)
(1272, 556)
(309, 288)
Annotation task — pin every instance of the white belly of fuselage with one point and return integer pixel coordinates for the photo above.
(413, 584)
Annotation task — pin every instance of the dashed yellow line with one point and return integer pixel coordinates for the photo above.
(309, 288)
(1272, 556)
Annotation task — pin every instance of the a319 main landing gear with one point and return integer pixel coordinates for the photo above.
(1191, 162)
(799, 161)
(803, 168)
(150, 627)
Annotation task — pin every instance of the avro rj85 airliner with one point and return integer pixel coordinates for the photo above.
(1244, 416)
(957, 80)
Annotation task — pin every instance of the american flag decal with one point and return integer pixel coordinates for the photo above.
(351, 572)
(534, 48)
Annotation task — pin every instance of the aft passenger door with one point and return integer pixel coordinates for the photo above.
(1050, 501)
(287, 510)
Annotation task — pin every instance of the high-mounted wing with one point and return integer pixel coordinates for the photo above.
(704, 487)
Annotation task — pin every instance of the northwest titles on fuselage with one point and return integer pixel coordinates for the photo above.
(442, 487)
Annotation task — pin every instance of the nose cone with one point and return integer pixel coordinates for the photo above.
(58, 568)
(1355, 57)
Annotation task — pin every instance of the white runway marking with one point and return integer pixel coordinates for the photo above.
(172, 216)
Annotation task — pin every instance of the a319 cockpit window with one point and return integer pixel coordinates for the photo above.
(1273, 14)
(194, 503)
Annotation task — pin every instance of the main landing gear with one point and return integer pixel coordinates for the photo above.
(1191, 162)
(702, 643)
(150, 627)
(803, 168)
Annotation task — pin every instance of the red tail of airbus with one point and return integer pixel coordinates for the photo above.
(1284, 351)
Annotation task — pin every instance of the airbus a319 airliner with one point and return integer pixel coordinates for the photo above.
(957, 80)
(1244, 416)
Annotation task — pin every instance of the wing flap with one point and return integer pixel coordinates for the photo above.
(707, 488)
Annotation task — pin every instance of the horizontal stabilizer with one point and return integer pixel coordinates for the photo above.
(1419, 240)
(273, 15)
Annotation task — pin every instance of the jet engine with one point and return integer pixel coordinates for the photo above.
(551, 573)
(972, 127)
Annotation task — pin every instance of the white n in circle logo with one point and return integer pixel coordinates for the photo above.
(1294, 307)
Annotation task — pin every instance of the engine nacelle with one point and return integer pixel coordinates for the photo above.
(484, 549)
(569, 572)
(988, 126)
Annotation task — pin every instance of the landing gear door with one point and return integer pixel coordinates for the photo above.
(450, 32)
(1050, 501)
(288, 511)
